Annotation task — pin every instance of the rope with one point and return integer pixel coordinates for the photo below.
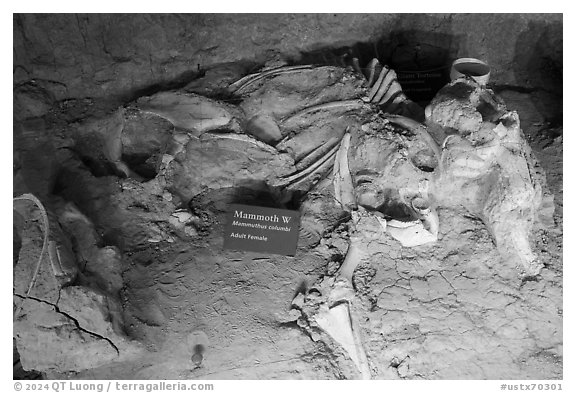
(36, 201)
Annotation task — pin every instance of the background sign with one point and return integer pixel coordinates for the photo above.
(261, 229)
(422, 85)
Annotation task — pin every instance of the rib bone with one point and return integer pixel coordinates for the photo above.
(394, 92)
(317, 153)
(328, 105)
(310, 169)
(374, 69)
(374, 90)
(321, 168)
(343, 187)
(385, 85)
(239, 137)
(250, 79)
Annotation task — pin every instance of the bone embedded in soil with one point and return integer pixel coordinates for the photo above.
(384, 285)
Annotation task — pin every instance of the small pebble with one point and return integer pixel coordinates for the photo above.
(197, 359)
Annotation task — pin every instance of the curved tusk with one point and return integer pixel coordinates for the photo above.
(418, 129)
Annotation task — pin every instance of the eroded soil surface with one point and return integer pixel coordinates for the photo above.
(450, 310)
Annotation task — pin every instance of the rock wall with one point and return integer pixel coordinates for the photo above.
(122, 55)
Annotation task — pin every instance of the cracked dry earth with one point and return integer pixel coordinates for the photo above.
(448, 310)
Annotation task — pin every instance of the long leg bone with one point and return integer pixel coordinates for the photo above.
(336, 317)
(369, 226)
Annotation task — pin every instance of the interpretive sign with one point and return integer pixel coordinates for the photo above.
(261, 229)
(422, 85)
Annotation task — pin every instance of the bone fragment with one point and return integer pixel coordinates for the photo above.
(427, 215)
(356, 65)
(410, 234)
(265, 128)
(338, 323)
